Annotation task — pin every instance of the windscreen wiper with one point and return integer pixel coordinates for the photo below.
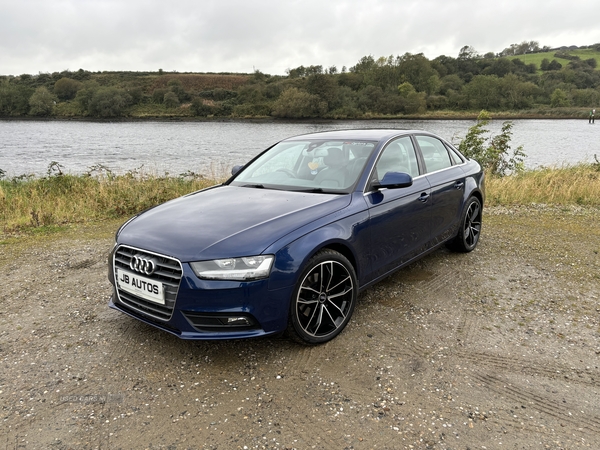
(311, 190)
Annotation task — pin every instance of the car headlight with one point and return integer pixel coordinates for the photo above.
(237, 269)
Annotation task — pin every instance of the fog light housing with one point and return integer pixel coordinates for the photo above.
(238, 321)
(221, 322)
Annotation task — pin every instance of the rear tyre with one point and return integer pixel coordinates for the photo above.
(470, 227)
(324, 298)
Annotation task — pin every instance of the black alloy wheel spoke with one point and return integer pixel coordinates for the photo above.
(324, 298)
(472, 224)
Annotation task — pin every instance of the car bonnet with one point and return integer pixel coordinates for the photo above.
(226, 221)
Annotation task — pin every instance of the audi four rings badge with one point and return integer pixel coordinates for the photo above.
(143, 265)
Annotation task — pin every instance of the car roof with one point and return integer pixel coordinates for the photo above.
(368, 134)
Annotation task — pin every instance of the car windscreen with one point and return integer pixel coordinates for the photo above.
(308, 165)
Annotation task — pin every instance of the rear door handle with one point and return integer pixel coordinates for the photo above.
(424, 197)
(459, 185)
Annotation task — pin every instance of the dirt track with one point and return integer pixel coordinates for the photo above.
(499, 348)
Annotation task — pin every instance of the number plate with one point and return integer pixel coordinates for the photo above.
(140, 286)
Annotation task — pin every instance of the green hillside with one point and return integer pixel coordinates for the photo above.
(583, 54)
(562, 83)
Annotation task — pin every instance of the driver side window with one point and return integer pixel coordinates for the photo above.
(398, 156)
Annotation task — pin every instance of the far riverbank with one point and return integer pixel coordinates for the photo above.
(185, 115)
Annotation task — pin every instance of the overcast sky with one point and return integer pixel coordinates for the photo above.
(271, 35)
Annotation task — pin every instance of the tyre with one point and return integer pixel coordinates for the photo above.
(324, 298)
(470, 227)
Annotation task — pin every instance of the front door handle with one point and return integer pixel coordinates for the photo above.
(424, 197)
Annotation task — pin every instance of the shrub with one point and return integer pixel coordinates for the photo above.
(176, 87)
(415, 103)
(171, 100)
(218, 94)
(14, 99)
(136, 94)
(251, 110)
(199, 108)
(108, 102)
(494, 152)
(559, 99)
(325, 86)
(436, 102)
(84, 97)
(375, 99)
(41, 102)
(66, 88)
(296, 104)
(158, 96)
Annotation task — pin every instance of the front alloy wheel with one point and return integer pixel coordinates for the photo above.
(324, 298)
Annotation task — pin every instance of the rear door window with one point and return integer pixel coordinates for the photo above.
(435, 154)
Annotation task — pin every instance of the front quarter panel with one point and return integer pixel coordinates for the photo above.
(346, 230)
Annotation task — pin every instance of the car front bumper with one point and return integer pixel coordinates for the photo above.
(213, 310)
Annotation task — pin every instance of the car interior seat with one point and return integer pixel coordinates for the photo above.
(361, 154)
(335, 174)
(393, 159)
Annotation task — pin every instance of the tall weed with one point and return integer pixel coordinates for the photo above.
(569, 185)
(60, 198)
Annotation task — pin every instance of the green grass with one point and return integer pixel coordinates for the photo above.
(587, 53)
(536, 58)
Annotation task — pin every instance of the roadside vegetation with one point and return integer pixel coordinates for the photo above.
(46, 204)
(58, 199)
(50, 203)
(563, 186)
(524, 80)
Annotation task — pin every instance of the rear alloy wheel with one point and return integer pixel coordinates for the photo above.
(470, 227)
(324, 298)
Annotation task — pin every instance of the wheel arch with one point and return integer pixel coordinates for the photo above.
(337, 246)
(477, 194)
(297, 254)
(342, 249)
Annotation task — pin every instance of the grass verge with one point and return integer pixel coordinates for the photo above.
(571, 185)
(48, 205)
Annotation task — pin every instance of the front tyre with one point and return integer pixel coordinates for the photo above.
(470, 227)
(324, 298)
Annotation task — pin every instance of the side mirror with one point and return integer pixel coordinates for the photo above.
(236, 169)
(394, 180)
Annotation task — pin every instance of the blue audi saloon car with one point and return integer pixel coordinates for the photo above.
(289, 241)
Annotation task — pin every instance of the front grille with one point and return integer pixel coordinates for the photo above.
(168, 272)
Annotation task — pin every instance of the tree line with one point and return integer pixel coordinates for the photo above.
(374, 87)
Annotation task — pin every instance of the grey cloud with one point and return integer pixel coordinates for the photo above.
(270, 35)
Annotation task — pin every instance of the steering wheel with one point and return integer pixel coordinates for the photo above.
(290, 173)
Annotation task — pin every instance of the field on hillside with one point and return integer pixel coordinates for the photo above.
(536, 58)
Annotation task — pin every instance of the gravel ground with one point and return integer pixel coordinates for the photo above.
(495, 349)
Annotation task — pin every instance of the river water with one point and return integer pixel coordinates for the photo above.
(212, 148)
